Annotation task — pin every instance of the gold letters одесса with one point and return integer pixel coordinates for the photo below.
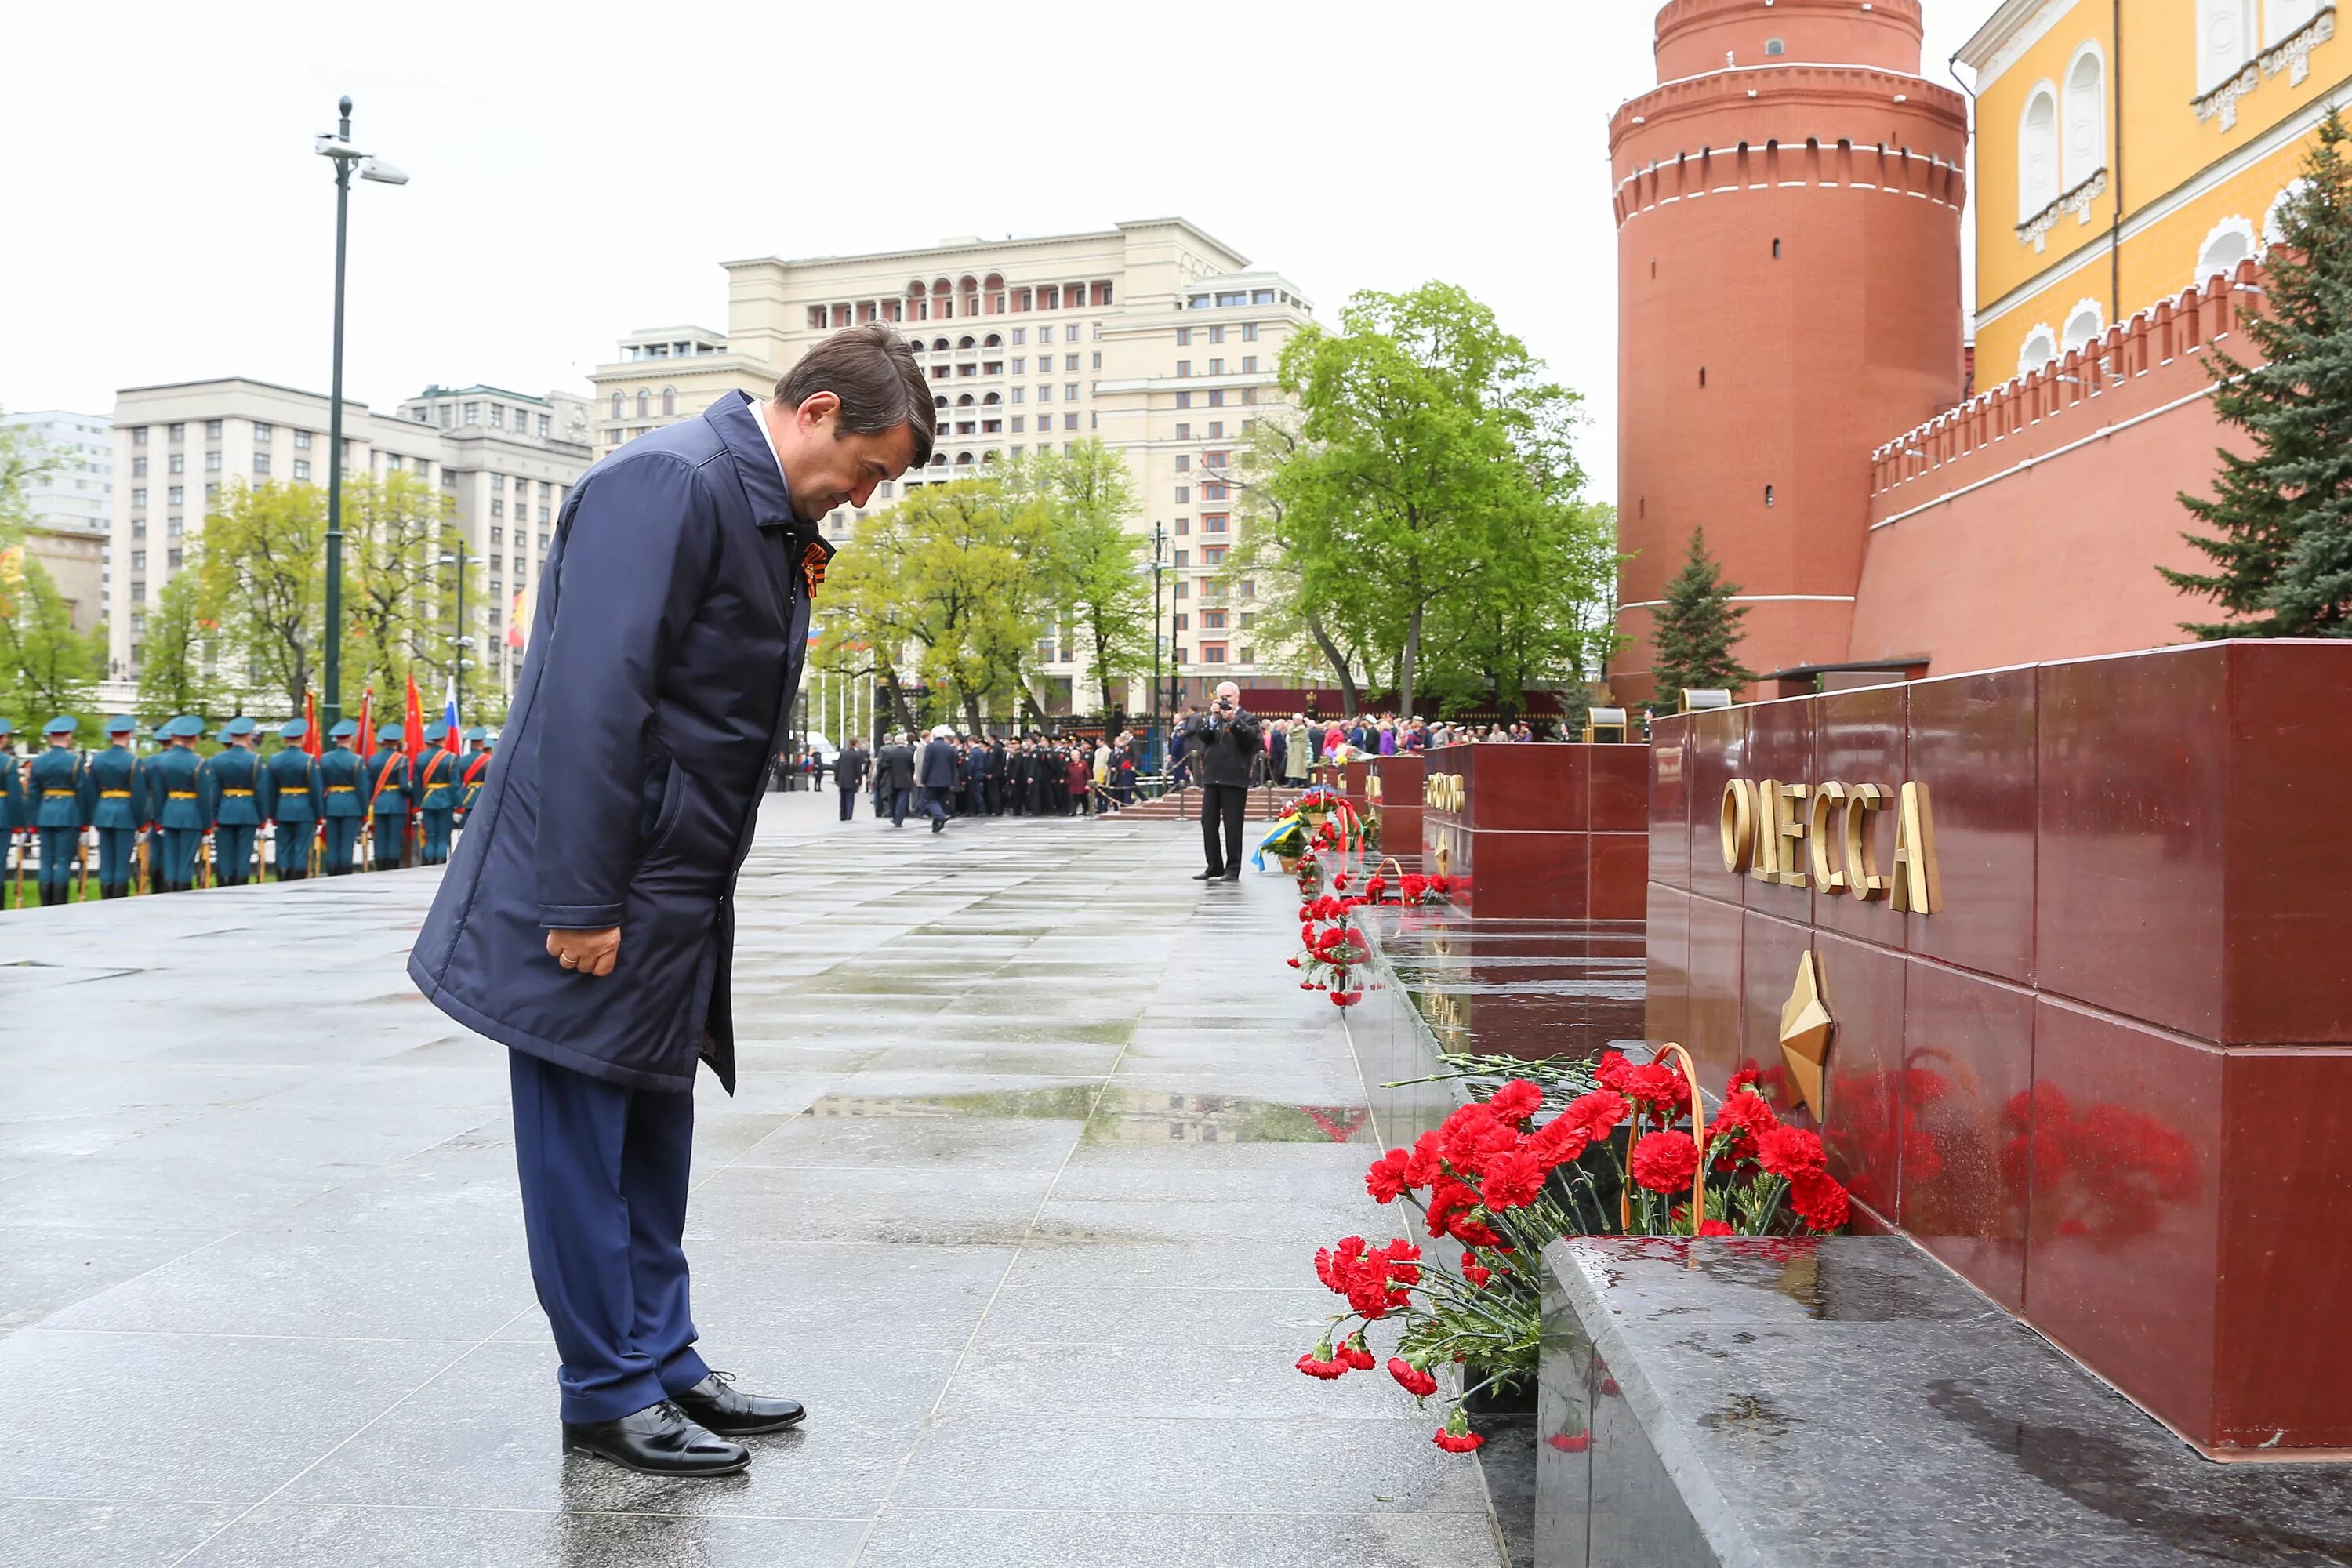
(1818, 836)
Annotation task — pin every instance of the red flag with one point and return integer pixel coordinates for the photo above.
(415, 721)
(310, 742)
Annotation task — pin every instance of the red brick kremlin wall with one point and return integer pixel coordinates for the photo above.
(1788, 299)
(2027, 524)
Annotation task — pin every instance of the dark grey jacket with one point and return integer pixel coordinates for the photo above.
(1223, 749)
(672, 625)
(894, 768)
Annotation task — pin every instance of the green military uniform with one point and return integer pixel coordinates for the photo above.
(433, 781)
(121, 796)
(477, 769)
(59, 787)
(232, 786)
(175, 803)
(13, 818)
(292, 796)
(388, 797)
(343, 783)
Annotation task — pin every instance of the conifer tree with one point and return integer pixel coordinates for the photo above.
(2282, 517)
(1697, 630)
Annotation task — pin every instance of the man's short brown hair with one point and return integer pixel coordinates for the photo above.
(873, 371)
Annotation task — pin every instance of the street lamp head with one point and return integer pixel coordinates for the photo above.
(344, 108)
(382, 172)
(326, 145)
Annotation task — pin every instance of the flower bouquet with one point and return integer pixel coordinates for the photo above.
(1333, 951)
(1501, 1180)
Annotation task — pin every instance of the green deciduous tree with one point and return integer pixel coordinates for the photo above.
(178, 669)
(2282, 517)
(1695, 633)
(1087, 556)
(401, 601)
(46, 666)
(1432, 474)
(261, 563)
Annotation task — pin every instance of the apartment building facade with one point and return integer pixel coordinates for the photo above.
(67, 504)
(178, 448)
(1153, 336)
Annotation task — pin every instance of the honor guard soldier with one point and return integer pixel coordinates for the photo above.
(59, 788)
(232, 799)
(433, 783)
(342, 781)
(293, 796)
(151, 808)
(121, 796)
(387, 772)
(477, 769)
(13, 815)
(175, 803)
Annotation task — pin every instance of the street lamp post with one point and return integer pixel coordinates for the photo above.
(1159, 562)
(338, 148)
(464, 641)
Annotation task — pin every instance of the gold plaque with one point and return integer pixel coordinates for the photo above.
(1805, 1031)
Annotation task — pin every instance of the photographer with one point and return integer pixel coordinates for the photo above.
(1223, 745)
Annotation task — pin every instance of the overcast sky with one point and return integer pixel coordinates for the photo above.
(579, 170)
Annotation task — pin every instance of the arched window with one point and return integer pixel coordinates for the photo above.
(994, 341)
(2274, 216)
(2037, 153)
(2281, 20)
(616, 405)
(644, 404)
(992, 399)
(964, 401)
(962, 458)
(2086, 116)
(1775, 47)
(669, 401)
(939, 345)
(965, 341)
(2225, 41)
(941, 401)
(2041, 348)
(2085, 324)
(2230, 242)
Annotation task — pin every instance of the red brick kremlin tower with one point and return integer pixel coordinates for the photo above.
(1788, 205)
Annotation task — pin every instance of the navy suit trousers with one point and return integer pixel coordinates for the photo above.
(603, 1203)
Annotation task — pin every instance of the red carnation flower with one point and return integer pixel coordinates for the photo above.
(1314, 1366)
(1665, 1162)
(1570, 1442)
(1459, 1442)
(1660, 1088)
(1387, 1177)
(1475, 1271)
(1715, 1228)
(1413, 1380)
(1746, 1078)
(1513, 1180)
(1611, 1071)
(1340, 880)
(1596, 1114)
(1818, 1199)
(1789, 1151)
(1422, 1169)
(1558, 1142)
(1516, 1100)
(1355, 1354)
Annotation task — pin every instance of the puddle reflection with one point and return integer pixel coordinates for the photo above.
(1124, 1116)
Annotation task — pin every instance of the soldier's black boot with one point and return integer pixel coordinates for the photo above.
(113, 891)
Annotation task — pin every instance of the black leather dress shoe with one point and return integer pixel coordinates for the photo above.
(1233, 876)
(1207, 876)
(727, 1410)
(659, 1440)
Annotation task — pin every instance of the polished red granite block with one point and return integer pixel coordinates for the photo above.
(1354, 782)
(1618, 786)
(1670, 825)
(2282, 1364)
(1968, 1077)
(1862, 1118)
(1771, 948)
(1712, 1013)
(1974, 743)
(1666, 967)
(1862, 738)
(1717, 753)
(2124, 1229)
(1527, 786)
(1399, 803)
(1781, 748)
(2134, 812)
(1512, 876)
(1615, 889)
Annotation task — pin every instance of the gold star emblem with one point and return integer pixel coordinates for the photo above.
(1805, 1028)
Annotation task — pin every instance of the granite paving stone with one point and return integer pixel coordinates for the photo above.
(1020, 1190)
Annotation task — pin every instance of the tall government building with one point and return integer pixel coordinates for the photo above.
(1153, 336)
(505, 459)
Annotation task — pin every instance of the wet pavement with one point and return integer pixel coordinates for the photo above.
(1034, 1145)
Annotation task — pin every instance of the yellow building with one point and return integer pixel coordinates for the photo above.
(2114, 172)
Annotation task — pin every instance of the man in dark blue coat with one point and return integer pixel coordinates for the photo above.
(587, 920)
(937, 776)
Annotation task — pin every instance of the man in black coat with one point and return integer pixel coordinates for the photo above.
(1224, 744)
(975, 789)
(849, 777)
(938, 777)
(894, 779)
(670, 632)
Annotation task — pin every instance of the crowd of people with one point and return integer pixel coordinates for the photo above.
(1293, 746)
(172, 819)
(947, 775)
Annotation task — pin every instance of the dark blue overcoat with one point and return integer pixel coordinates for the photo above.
(672, 625)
